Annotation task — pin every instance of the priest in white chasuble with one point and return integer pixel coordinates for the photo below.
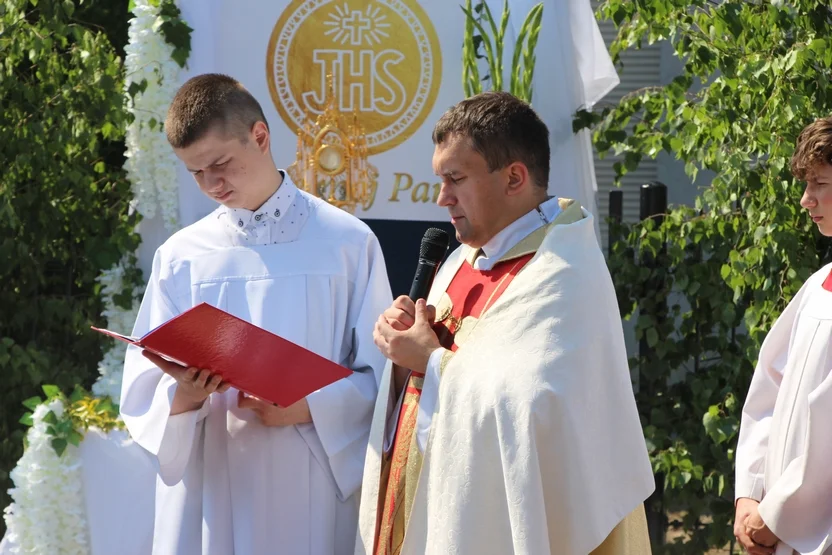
(784, 455)
(238, 475)
(506, 420)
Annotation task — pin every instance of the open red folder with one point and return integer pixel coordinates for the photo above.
(249, 358)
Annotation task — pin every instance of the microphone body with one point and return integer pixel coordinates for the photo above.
(431, 252)
(425, 273)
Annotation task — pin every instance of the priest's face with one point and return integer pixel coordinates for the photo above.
(474, 196)
(232, 169)
(817, 198)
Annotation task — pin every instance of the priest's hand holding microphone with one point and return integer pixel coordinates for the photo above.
(404, 333)
(194, 386)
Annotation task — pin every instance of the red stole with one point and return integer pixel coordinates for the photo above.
(471, 293)
(827, 284)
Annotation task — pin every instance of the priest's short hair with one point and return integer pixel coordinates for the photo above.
(813, 148)
(503, 129)
(211, 101)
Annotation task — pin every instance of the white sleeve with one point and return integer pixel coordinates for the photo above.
(755, 425)
(797, 507)
(342, 412)
(180, 432)
(147, 392)
(429, 400)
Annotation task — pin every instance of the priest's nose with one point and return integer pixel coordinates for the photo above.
(445, 198)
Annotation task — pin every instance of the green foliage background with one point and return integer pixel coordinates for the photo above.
(63, 196)
(726, 268)
(705, 283)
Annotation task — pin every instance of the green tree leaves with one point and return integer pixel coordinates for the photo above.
(754, 74)
(177, 33)
(64, 212)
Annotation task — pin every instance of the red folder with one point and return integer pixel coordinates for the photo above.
(249, 358)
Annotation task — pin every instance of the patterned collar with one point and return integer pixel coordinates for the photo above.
(273, 209)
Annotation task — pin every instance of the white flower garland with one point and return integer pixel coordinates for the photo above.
(150, 165)
(118, 320)
(48, 515)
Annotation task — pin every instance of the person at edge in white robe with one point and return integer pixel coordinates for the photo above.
(237, 475)
(531, 439)
(784, 454)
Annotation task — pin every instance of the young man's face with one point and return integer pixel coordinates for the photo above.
(817, 198)
(231, 170)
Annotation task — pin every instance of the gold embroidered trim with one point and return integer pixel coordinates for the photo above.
(444, 361)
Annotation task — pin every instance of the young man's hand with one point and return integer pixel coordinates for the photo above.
(273, 415)
(758, 545)
(193, 385)
(757, 529)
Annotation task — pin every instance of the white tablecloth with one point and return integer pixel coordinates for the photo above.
(119, 491)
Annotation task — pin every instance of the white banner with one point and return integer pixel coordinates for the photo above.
(396, 67)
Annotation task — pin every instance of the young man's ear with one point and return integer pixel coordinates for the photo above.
(261, 136)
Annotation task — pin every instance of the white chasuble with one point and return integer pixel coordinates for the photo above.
(784, 455)
(535, 445)
(227, 484)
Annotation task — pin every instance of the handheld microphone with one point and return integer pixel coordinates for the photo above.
(431, 252)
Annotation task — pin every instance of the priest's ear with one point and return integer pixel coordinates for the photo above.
(518, 178)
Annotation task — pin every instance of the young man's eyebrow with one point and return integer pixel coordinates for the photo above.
(209, 165)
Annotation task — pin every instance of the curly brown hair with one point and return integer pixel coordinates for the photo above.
(813, 148)
(207, 101)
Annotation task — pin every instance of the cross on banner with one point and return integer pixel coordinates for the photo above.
(355, 24)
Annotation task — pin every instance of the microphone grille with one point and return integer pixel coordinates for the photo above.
(434, 245)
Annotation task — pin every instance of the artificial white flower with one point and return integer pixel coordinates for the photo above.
(119, 320)
(47, 514)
